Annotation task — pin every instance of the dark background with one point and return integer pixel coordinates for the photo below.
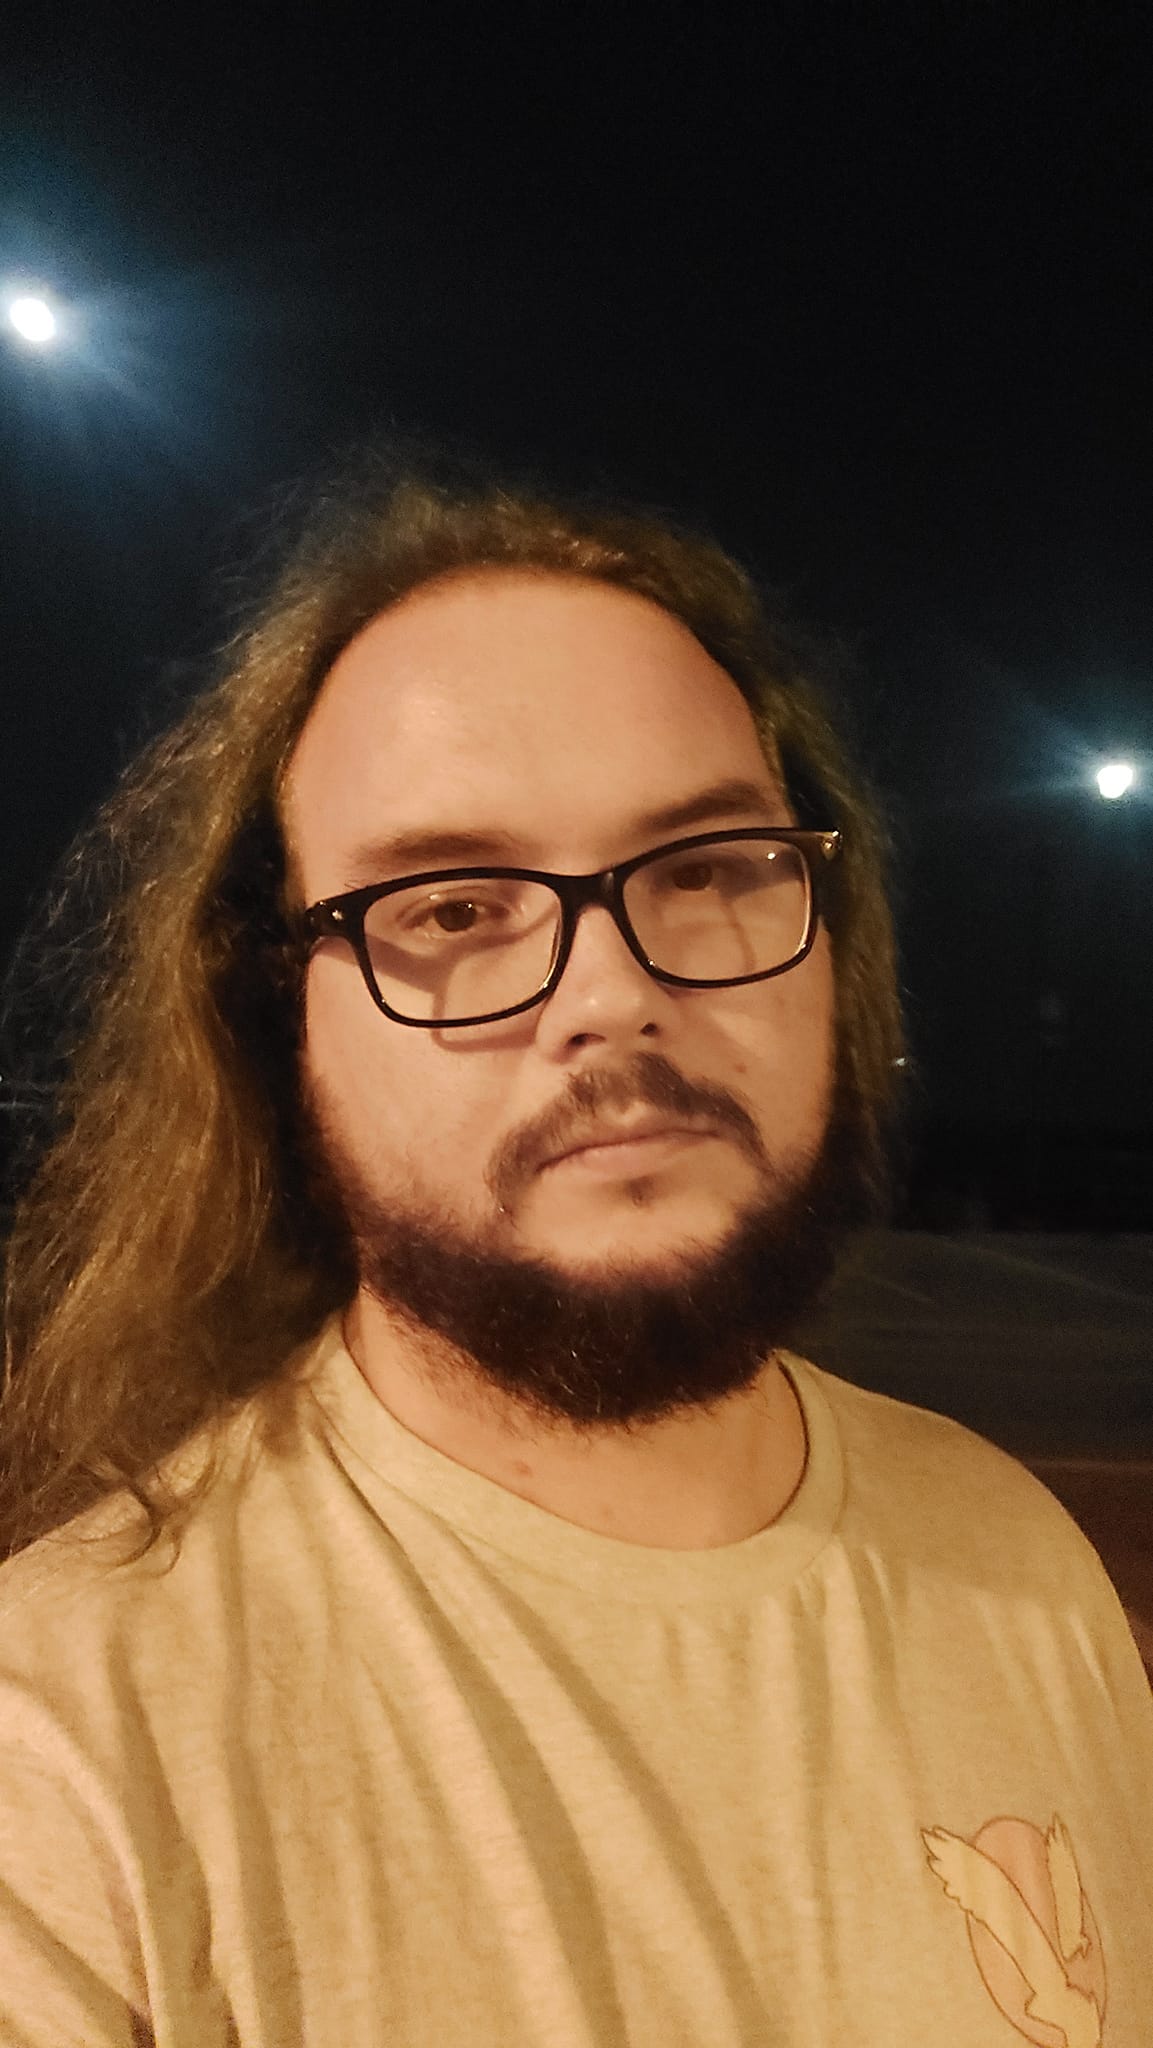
(865, 291)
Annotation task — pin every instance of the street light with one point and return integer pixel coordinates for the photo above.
(33, 319)
(1115, 779)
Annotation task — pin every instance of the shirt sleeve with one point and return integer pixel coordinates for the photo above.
(71, 1974)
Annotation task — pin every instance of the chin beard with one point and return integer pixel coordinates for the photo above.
(610, 1349)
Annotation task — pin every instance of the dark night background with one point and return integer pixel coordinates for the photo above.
(867, 292)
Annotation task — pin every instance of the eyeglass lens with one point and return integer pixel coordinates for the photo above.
(449, 950)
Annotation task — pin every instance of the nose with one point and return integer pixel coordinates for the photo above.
(604, 995)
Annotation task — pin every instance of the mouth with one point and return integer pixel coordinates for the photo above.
(640, 1146)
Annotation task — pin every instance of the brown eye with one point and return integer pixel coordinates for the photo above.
(455, 917)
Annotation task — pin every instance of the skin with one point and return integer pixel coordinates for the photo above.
(559, 713)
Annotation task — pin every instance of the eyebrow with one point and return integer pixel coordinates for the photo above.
(409, 852)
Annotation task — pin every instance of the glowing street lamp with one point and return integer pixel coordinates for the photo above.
(33, 319)
(1115, 779)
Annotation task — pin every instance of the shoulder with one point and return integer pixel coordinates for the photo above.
(925, 1486)
(98, 1577)
(214, 1484)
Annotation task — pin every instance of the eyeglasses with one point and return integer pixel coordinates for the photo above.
(473, 945)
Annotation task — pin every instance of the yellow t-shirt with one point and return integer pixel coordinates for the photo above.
(390, 1756)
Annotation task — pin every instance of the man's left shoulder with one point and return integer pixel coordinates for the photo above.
(942, 1483)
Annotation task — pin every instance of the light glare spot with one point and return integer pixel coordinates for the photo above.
(33, 319)
(1115, 778)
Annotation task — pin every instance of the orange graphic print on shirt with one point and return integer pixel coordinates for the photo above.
(1032, 1931)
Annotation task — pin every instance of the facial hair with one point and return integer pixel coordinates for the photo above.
(614, 1349)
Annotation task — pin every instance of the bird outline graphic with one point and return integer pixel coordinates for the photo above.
(1030, 1926)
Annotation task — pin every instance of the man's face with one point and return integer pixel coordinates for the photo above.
(553, 721)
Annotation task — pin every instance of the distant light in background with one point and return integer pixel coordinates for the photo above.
(1115, 779)
(139, 373)
(33, 319)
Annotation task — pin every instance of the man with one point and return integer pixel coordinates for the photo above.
(495, 1048)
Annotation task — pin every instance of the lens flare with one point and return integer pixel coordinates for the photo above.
(1115, 778)
(33, 320)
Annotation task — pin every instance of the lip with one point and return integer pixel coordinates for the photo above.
(622, 1143)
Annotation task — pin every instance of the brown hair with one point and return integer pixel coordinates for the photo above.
(170, 1253)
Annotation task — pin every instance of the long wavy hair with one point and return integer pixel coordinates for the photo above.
(172, 1250)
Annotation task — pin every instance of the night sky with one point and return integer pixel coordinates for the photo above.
(865, 291)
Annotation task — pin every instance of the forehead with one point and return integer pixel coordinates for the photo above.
(548, 710)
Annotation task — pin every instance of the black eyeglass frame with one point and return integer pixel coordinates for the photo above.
(342, 917)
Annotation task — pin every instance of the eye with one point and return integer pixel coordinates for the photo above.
(458, 916)
(725, 874)
(697, 874)
(453, 915)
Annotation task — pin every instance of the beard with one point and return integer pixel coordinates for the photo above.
(614, 1348)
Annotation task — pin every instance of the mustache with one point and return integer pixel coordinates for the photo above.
(647, 1081)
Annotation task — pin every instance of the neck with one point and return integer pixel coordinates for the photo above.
(695, 1480)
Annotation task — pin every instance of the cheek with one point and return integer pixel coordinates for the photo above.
(394, 1098)
(808, 994)
(341, 1023)
(359, 1074)
(782, 1041)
